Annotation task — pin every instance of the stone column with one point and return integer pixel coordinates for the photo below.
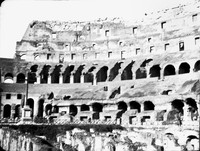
(148, 74)
(14, 79)
(78, 109)
(186, 113)
(12, 114)
(49, 79)
(61, 79)
(2, 79)
(94, 79)
(142, 107)
(38, 79)
(72, 78)
(161, 74)
(82, 78)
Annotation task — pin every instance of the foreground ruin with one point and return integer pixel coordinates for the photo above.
(137, 74)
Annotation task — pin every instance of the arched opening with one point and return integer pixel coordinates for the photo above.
(102, 74)
(77, 75)
(127, 73)
(72, 110)
(30, 103)
(184, 68)
(17, 111)
(40, 107)
(30, 146)
(114, 71)
(155, 71)
(169, 70)
(56, 74)
(20, 78)
(88, 77)
(44, 74)
(67, 73)
(48, 109)
(148, 105)
(8, 78)
(32, 74)
(141, 73)
(55, 109)
(197, 66)
(7, 111)
(122, 106)
(193, 109)
(178, 105)
(97, 107)
(135, 105)
(85, 107)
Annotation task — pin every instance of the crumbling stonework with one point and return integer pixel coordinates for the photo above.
(138, 73)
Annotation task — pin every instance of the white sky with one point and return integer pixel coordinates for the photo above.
(15, 15)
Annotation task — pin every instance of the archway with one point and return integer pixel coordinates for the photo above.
(20, 78)
(17, 111)
(135, 105)
(48, 109)
(193, 109)
(56, 74)
(155, 71)
(184, 68)
(67, 73)
(127, 73)
(114, 71)
(72, 110)
(55, 109)
(77, 74)
(169, 70)
(40, 107)
(148, 105)
(85, 107)
(44, 74)
(7, 111)
(32, 74)
(197, 66)
(102, 74)
(141, 73)
(97, 107)
(30, 103)
(8, 78)
(178, 105)
(88, 77)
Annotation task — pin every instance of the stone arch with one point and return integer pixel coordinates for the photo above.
(127, 73)
(55, 109)
(32, 74)
(20, 78)
(135, 105)
(67, 73)
(40, 107)
(73, 110)
(178, 105)
(85, 107)
(197, 66)
(97, 107)
(141, 73)
(55, 75)
(155, 71)
(148, 105)
(78, 73)
(193, 109)
(122, 106)
(184, 68)
(30, 103)
(114, 71)
(102, 74)
(89, 76)
(44, 74)
(169, 70)
(8, 78)
(17, 111)
(7, 111)
(48, 109)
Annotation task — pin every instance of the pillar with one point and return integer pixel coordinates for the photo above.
(78, 109)
(186, 113)
(161, 74)
(72, 78)
(148, 74)
(82, 78)
(38, 79)
(94, 79)
(49, 79)
(2, 79)
(12, 114)
(61, 79)
(14, 79)
(142, 107)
